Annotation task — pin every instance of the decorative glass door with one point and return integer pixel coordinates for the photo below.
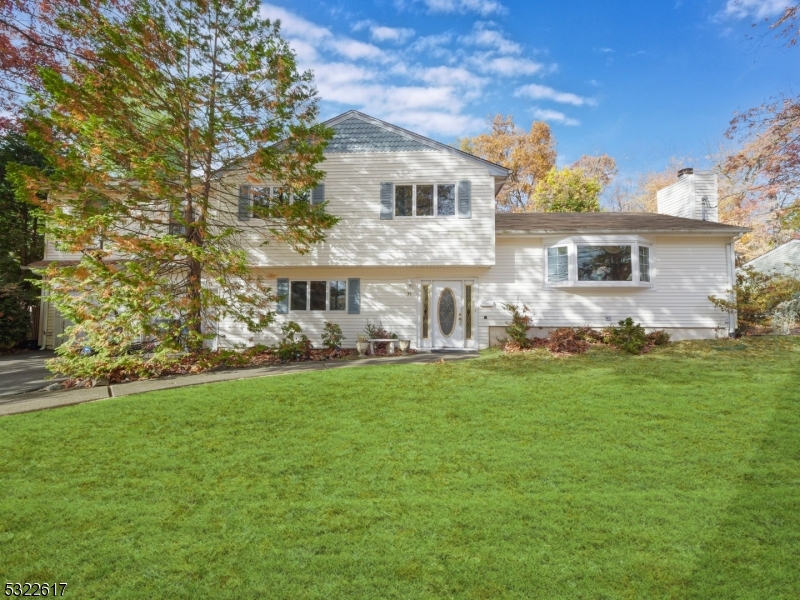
(446, 313)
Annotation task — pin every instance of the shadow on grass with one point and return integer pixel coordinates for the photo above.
(758, 538)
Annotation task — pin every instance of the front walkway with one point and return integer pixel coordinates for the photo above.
(24, 372)
(21, 403)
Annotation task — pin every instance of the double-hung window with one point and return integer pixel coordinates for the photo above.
(425, 200)
(318, 295)
(611, 261)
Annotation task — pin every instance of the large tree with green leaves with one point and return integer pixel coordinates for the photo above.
(21, 224)
(567, 190)
(138, 130)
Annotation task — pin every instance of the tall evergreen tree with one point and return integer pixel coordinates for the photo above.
(167, 95)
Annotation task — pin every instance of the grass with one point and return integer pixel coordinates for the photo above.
(671, 475)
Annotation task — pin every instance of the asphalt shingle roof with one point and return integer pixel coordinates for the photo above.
(356, 135)
(606, 222)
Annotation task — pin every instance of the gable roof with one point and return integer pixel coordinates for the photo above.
(605, 222)
(776, 259)
(356, 132)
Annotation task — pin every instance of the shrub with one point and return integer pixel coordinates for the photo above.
(294, 345)
(568, 341)
(658, 338)
(378, 332)
(627, 336)
(15, 320)
(116, 368)
(332, 336)
(757, 295)
(520, 324)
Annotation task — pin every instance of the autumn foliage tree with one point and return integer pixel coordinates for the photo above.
(168, 95)
(528, 155)
(566, 190)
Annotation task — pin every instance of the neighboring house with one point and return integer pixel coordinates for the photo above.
(784, 259)
(421, 249)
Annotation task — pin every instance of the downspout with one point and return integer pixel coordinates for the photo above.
(43, 318)
(731, 260)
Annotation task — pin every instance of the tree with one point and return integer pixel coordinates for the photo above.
(529, 156)
(756, 296)
(603, 168)
(173, 94)
(566, 190)
(768, 161)
(22, 227)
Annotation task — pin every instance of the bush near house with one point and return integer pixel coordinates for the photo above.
(627, 336)
(757, 295)
(15, 320)
(332, 337)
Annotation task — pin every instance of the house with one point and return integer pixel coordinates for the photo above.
(784, 259)
(421, 249)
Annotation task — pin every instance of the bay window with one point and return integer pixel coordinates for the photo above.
(597, 261)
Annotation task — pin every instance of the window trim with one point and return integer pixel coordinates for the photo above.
(435, 199)
(327, 308)
(572, 243)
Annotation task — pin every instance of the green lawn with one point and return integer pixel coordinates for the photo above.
(671, 475)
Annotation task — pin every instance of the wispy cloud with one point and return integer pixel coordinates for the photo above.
(481, 7)
(604, 50)
(759, 9)
(430, 84)
(382, 33)
(507, 66)
(543, 92)
(485, 36)
(553, 116)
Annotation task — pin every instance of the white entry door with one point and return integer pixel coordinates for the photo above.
(447, 318)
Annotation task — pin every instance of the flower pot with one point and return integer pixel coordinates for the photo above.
(404, 344)
(362, 348)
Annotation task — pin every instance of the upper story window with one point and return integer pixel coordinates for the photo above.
(425, 200)
(599, 261)
(255, 200)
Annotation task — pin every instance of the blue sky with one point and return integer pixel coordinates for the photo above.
(641, 81)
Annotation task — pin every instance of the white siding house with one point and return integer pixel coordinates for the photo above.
(420, 248)
(784, 259)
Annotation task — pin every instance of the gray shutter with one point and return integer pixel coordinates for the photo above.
(387, 208)
(464, 199)
(283, 296)
(318, 194)
(353, 296)
(244, 203)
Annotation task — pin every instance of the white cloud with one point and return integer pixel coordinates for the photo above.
(543, 92)
(428, 122)
(382, 33)
(554, 116)
(507, 66)
(452, 76)
(430, 83)
(293, 25)
(604, 50)
(760, 9)
(301, 31)
(354, 50)
(482, 7)
(485, 37)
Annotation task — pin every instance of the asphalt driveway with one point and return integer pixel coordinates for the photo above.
(24, 372)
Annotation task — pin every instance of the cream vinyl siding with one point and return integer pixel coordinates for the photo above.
(684, 197)
(384, 297)
(352, 189)
(686, 270)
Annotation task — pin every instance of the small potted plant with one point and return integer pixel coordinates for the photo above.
(361, 344)
(404, 344)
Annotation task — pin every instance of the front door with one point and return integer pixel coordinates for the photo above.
(447, 317)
